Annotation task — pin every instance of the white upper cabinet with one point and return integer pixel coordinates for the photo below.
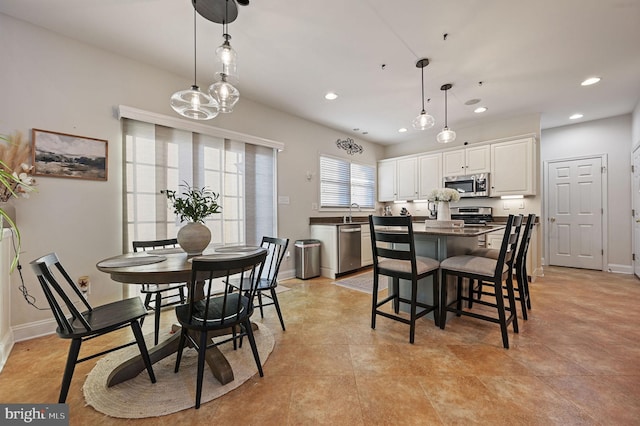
(387, 180)
(466, 161)
(429, 174)
(407, 172)
(513, 168)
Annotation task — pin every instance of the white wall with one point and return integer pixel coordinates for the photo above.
(635, 127)
(55, 83)
(609, 136)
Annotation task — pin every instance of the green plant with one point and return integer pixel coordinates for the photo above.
(15, 179)
(194, 204)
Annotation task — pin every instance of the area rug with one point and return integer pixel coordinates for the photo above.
(361, 282)
(138, 397)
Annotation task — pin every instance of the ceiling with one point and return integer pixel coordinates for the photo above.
(518, 57)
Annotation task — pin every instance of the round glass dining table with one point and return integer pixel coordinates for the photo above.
(165, 266)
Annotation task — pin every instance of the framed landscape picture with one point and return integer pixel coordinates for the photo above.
(69, 156)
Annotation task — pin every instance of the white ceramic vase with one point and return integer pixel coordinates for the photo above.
(194, 237)
(444, 212)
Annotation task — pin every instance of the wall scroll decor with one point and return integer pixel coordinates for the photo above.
(62, 155)
(349, 145)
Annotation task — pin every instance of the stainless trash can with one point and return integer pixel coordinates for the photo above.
(307, 258)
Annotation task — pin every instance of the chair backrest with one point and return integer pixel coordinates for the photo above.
(523, 249)
(277, 249)
(57, 296)
(509, 242)
(392, 238)
(154, 244)
(228, 306)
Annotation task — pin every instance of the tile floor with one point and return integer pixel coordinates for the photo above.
(576, 361)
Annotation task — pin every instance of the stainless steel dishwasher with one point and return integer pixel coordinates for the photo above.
(349, 242)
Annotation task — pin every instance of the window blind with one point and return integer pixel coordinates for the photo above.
(343, 182)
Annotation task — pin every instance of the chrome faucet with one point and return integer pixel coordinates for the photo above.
(350, 215)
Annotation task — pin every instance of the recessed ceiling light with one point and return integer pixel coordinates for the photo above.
(365, 133)
(356, 129)
(480, 109)
(402, 130)
(576, 116)
(331, 96)
(472, 101)
(590, 81)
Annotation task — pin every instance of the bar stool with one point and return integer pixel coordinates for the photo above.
(394, 255)
(484, 269)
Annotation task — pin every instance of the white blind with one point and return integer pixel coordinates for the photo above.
(159, 157)
(343, 182)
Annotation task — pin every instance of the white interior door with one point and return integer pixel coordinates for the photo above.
(636, 209)
(575, 213)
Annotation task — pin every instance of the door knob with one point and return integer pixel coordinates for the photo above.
(552, 219)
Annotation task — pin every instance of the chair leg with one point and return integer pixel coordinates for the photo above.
(277, 305)
(156, 317)
(522, 295)
(436, 299)
(72, 357)
(412, 314)
(525, 280)
(202, 349)
(137, 331)
(183, 299)
(260, 304)
(396, 293)
(374, 303)
(443, 300)
(147, 301)
(254, 347)
(512, 303)
(459, 296)
(471, 291)
(497, 286)
(181, 343)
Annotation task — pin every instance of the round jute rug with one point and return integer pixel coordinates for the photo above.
(138, 397)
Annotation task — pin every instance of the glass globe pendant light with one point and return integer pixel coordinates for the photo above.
(423, 121)
(446, 135)
(193, 103)
(222, 91)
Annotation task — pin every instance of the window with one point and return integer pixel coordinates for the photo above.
(343, 182)
(160, 157)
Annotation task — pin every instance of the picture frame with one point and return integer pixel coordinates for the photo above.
(69, 156)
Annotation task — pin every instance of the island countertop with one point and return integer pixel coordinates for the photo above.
(420, 228)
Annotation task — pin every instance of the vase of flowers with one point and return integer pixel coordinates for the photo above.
(15, 181)
(442, 197)
(193, 206)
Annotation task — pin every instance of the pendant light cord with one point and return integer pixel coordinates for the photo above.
(445, 109)
(195, 49)
(422, 71)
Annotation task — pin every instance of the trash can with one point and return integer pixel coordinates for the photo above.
(307, 259)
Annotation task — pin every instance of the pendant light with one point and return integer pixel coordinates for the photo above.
(222, 91)
(193, 103)
(424, 120)
(446, 135)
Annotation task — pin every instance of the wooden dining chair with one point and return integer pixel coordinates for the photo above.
(90, 323)
(218, 311)
(158, 296)
(277, 248)
(394, 255)
(491, 271)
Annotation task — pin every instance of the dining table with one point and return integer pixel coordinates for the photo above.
(166, 266)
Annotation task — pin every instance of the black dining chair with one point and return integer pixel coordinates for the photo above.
(277, 248)
(90, 323)
(493, 272)
(158, 296)
(218, 311)
(394, 255)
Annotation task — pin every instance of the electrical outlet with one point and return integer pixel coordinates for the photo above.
(84, 284)
(288, 254)
(314, 206)
(521, 204)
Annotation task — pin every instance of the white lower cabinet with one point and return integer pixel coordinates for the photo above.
(365, 247)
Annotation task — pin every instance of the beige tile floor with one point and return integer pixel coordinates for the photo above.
(576, 361)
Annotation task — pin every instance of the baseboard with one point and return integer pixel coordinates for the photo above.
(5, 348)
(620, 269)
(285, 275)
(33, 329)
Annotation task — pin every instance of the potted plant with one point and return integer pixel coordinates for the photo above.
(193, 205)
(15, 182)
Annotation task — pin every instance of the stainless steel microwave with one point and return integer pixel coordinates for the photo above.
(470, 185)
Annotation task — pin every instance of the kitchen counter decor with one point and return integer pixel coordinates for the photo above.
(442, 196)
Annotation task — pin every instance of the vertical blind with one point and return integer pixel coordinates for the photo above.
(159, 157)
(343, 182)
